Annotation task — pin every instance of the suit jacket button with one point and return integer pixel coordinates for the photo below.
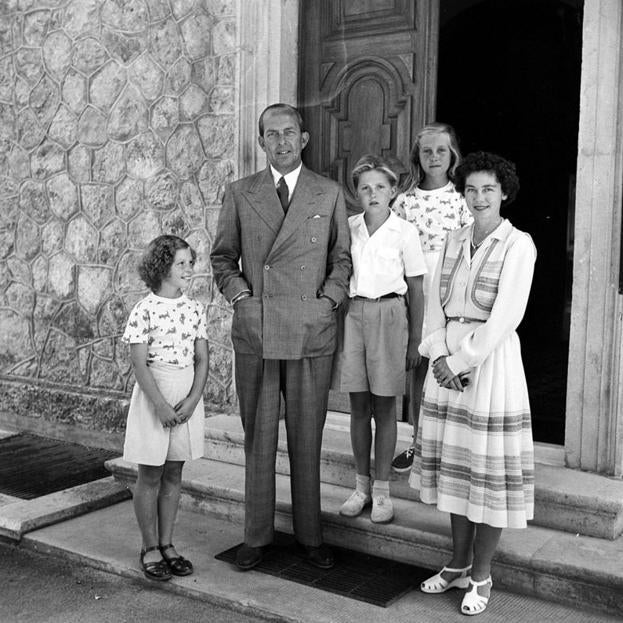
(267, 267)
(303, 267)
(314, 239)
(304, 297)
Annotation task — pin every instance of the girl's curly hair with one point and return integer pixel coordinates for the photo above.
(504, 171)
(156, 263)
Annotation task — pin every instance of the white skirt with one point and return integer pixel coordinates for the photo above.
(147, 441)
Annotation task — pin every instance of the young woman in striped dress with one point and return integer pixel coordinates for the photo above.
(474, 452)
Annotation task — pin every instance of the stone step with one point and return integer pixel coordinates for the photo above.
(565, 499)
(537, 561)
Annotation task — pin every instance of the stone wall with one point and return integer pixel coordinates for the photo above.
(117, 123)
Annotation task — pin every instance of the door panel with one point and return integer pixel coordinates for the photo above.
(367, 76)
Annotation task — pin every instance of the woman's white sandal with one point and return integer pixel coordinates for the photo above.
(437, 584)
(473, 602)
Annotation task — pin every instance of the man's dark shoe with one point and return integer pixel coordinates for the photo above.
(248, 557)
(321, 556)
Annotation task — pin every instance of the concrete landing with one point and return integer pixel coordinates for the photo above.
(108, 539)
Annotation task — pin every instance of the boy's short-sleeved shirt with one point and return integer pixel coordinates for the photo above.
(169, 327)
(382, 261)
(434, 213)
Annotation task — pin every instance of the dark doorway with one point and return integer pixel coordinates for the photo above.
(509, 81)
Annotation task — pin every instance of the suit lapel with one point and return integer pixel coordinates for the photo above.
(301, 207)
(262, 196)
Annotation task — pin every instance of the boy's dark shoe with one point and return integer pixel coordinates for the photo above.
(321, 556)
(403, 461)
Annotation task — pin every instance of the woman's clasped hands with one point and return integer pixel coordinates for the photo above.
(444, 376)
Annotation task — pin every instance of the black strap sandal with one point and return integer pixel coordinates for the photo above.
(158, 571)
(178, 564)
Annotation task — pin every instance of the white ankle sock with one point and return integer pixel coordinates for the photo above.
(362, 484)
(381, 487)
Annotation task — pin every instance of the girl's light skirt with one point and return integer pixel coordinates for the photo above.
(474, 451)
(147, 442)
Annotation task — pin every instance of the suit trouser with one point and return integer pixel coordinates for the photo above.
(304, 383)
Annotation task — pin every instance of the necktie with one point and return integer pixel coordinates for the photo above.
(282, 191)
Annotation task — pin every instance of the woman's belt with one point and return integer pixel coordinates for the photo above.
(463, 319)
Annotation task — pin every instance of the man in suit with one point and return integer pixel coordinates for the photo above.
(282, 258)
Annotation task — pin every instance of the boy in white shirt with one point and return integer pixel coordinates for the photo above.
(382, 330)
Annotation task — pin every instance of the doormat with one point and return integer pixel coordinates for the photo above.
(372, 579)
(31, 466)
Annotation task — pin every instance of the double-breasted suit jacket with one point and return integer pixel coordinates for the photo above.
(285, 262)
(284, 334)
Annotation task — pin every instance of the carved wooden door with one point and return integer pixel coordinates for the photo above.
(367, 79)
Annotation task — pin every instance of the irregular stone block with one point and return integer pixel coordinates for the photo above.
(75, 91)
(124, 48)
(97, 203)
(106, 85)
(125, 15)
(47, 160)
(19, 164)
(93, 286)
(35, 28)
(162, 191)
(7, 79)
(52, 235)
(39, 273)
(59, 361)
(218, 135)
(182, 7)
(108, 163)
(79, 163)
(81, 239)
(175, 223)
(7, 244)
(126, 277)
(184, 152)
(44, 99)
(63, 196)
(224, 37)
(226, 69)
(88, 55)
(19, 270)
(178, 76)
(212, 179)
(145, 156)
(15, 341)
(147, 76)
(7, 124)
(165, 117)
(28, 64)
(196, 31)
(113, 241)
(21, 298)
(57, 53)
(64, 127)
(129, 198)
(92, 127)
(158, 10)
(143, 229)
(192, 204)
(61, 275)
(33, 201)
(165, 43)
(193, 102)
(105, 374)
(219, 8)
(27, 238)
(45, 310)
(201, 243)
(222, 100)
(81, 17)
(113, 317)
(204, 73)
(128, 116)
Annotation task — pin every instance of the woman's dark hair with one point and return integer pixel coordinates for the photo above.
(158, 258)
(504, 171)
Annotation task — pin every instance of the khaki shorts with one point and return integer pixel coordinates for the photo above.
(375, 347)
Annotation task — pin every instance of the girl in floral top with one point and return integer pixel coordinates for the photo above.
(434, 206)
(168, 346)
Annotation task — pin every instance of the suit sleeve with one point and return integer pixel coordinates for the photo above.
(225, 255)
(339, 263)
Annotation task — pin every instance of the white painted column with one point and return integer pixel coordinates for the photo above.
(594, 424)
(268, 69)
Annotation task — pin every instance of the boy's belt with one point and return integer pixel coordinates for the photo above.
(390, 295)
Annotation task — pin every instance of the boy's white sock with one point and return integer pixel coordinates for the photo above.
(362, 484)
(381, 487)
